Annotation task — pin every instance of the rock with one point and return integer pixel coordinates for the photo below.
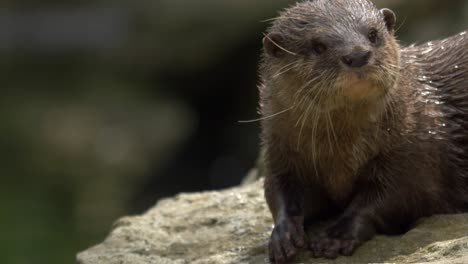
(232, 226)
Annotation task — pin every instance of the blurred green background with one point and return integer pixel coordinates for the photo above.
(107, 106)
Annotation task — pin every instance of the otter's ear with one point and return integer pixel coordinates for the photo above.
(273, 45)
(390, 18)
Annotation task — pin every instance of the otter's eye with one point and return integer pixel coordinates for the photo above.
(318, 48)
(301, 23)
(373, 35)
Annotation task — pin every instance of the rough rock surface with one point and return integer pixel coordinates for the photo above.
(232, 226)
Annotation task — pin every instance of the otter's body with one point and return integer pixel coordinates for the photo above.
(358, 129)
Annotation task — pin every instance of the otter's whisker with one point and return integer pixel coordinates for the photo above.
(327, 124)
(314, 141)
(307, 111)
(300, 90)
(401, 25)
(283, 18)
(267, 117)
(332, 128)
(279, 46)
(285, 69)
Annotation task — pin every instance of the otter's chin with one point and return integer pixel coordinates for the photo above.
(356, 87)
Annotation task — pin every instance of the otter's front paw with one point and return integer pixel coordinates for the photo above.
(338, 239)
(287, 237)
(331, 248)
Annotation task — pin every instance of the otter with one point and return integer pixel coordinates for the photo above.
(358, 129)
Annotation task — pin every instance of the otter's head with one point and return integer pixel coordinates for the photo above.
(332, 52)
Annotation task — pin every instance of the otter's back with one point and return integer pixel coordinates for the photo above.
(442, 66)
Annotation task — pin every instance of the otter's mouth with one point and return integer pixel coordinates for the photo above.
(356, 86)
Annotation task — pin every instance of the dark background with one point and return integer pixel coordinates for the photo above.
(107, 106)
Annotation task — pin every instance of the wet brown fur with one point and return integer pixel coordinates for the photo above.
(387, 156)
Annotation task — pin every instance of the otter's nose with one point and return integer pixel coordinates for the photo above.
(356, 59)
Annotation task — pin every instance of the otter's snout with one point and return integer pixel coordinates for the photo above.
(356, 59)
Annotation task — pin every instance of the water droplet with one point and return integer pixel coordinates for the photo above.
(442, 47)
(429, 44)
(463, 33)
(456, 66)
